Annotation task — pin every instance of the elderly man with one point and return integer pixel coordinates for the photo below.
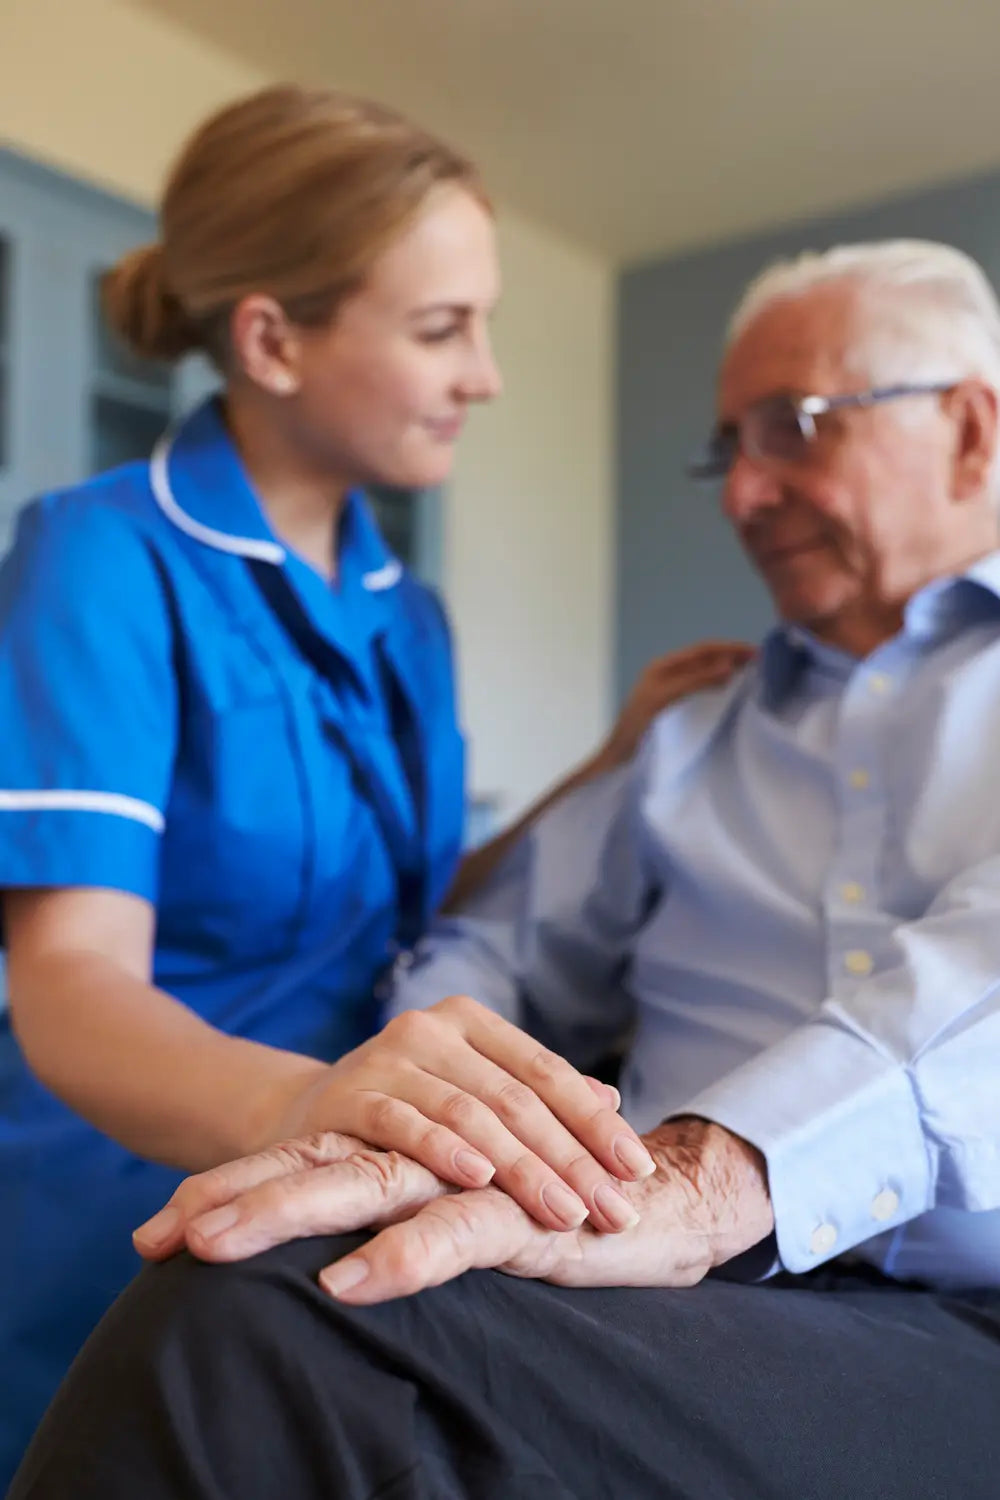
(791, 904)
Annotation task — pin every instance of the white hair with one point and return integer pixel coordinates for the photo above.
(930, 312)
(934, 314)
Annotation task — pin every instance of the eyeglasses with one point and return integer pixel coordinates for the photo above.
(782, 428)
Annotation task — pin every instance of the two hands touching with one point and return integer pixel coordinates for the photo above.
(467, 1145)
(695, 1197)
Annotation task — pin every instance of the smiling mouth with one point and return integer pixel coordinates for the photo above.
(448, 430)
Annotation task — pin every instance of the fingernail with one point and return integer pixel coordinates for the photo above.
(159, 1229)
(343, 1276)
(478, 1169)
(210, 1226)
(634, 1157)
(616, 1098)
(564, 1203)
(615, 1206)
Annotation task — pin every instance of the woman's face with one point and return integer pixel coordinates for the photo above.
(380, 395)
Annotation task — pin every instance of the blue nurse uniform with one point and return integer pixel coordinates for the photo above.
(190, 713)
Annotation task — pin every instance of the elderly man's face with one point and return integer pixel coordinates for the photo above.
(886, 498)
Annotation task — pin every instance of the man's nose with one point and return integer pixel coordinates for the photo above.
(749, 488)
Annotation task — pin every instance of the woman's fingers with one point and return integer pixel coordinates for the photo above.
(540, 1163)
(544, 1126)
(465, 1092)
(551, 1079)
(394, 1121)
(698, 654)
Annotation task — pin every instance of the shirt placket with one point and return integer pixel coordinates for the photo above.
(859, 931)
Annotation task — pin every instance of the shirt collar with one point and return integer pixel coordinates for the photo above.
(202, 488)
(948, 604)
(788, 651)
(939, 609)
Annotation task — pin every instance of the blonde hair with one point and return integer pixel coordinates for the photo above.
(290, 192)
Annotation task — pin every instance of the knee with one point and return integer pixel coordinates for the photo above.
(185, 1301)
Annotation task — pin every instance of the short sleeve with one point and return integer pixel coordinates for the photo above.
(88, 700)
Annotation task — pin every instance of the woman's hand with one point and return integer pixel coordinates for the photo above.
(474, 1099)
(665, 681)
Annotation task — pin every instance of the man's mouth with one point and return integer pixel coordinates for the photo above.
(788, 551)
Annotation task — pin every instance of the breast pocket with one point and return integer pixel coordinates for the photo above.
(238, 846)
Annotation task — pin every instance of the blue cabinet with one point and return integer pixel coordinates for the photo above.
(72, 400)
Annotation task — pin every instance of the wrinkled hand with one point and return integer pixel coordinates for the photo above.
(665, 681)
(706, 1203)
(326, 1183)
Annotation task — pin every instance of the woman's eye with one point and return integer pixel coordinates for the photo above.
(438, 335)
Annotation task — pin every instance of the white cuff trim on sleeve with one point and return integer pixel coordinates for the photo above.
(113, 803)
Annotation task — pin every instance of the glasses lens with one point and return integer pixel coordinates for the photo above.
(775, 429)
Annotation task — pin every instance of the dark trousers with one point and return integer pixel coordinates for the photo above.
(247, 1382)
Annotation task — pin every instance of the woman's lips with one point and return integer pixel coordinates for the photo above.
(446, 429)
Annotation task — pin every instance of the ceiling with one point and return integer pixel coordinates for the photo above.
(640, 127)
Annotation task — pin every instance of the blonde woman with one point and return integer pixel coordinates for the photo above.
(232, 773)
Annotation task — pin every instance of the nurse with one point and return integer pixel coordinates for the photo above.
(231, 777)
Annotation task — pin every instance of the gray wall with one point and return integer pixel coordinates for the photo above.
(681, 575)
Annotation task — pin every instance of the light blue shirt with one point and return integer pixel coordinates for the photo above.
(790, 903)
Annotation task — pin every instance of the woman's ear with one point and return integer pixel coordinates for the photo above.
(265, 346)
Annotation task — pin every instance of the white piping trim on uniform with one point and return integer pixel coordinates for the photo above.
(385, 577)
(242, 546)
(100, 802)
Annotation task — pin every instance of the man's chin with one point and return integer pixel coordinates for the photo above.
(812, 610)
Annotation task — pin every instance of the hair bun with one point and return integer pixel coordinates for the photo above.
(142, 310)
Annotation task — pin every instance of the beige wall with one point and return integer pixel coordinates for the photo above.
(106, 90)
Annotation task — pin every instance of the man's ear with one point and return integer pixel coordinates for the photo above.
(973, 407)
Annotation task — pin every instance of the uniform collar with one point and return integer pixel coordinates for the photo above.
(202, 488)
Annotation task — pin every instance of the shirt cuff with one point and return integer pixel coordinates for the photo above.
(839, 1127)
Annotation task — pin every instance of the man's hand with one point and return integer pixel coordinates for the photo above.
(706, 1203)
(326, 1183)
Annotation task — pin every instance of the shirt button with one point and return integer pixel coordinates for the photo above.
(823, 1239)
(859, 780)
(852, 892)
(885, 1204)
(879, 683)
(858, 961)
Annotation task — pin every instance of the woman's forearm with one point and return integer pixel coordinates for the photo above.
(145, 1069)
